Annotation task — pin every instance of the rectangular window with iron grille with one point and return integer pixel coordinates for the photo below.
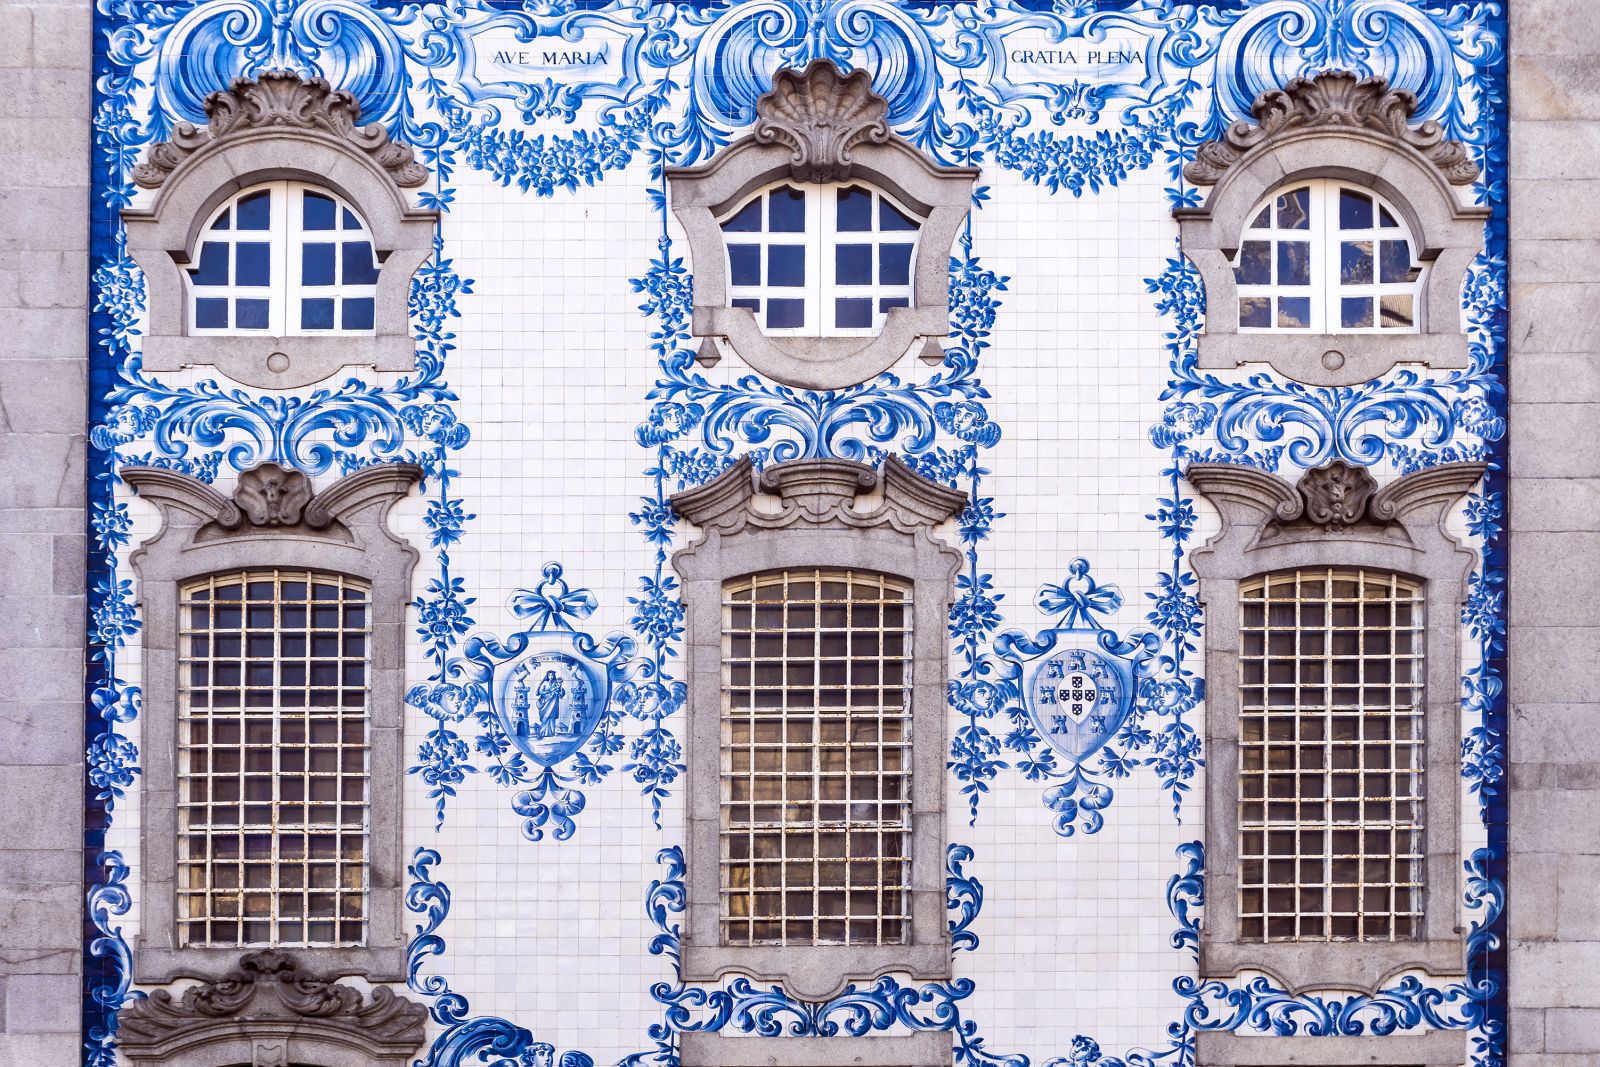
(816, 739)
(273, 759)
(1330, 756)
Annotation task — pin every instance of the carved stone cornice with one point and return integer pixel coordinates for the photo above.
(1335, 498)
(269, 1001)
(269, 496)
(1330, 101)
(821, 114)
(820, 492)
(274, 102)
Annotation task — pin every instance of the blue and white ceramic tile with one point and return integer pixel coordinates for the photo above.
(555, 407)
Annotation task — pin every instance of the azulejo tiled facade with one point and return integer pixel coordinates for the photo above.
(627, 326)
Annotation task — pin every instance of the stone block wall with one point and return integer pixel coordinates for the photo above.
(1554, 884)
(44, 239)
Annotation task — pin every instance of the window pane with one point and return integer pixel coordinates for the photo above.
(854, 313)
(748, 219)
(213, 267)
(252, 263)
(1294, 210)
(1255, 263)
(316, 263)
(1255, 312)
(1294, 312)
(787, 210)
(255, 211)
(1355, 262)
(748, 303)
(222, 220)
(1294, 263)
(852, 265)
(316, 314)
(1355, 313)
(786, 265)
(1396, 312)
(1355, 211)
(350, 221)
(356, 313)
(211, 313)
(1396, 261)
(894, 264)
(786, 314)
(319, 213)
(1262, 221)
(358, 266)
(893, 302)
(252, 314)
(855, 209)
(892, 218)
(744, 265)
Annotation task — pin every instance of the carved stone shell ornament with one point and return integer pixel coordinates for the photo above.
(821, 114)
(278, 100)
(1333, 99)
(1336, 494)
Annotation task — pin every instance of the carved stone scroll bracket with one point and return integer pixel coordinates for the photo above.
(269, 496)
(270, 1009)
(1336, 499)
(276, 102)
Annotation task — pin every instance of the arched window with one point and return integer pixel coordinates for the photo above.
(285, 259)
(820, 260)
(820, 241)
(1327, 257)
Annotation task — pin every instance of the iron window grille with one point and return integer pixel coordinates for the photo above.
(816, 744)
(273, 759)
(1330, 756)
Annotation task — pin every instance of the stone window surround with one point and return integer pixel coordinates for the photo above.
(928, 1049)
(800, 514)
(344, 529)
(1334, 126)
(278, 127)
(842, 136)
(1433, 1048)
(1270, 525)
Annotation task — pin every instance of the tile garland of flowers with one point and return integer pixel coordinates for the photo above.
(679, 83)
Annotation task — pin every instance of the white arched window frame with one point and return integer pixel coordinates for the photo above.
(820, 259)
(1333, 130)
(821, 129)
(286, 259)
(277, 128)
(1327, 257)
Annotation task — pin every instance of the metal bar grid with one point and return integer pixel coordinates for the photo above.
(1330, 756)
(273, 759)
(816, 744)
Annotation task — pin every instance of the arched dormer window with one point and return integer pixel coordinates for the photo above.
(820, 242)
(820, 260)
(280, 243)
(284, 258)
(1332, 244)
(1327, 257)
